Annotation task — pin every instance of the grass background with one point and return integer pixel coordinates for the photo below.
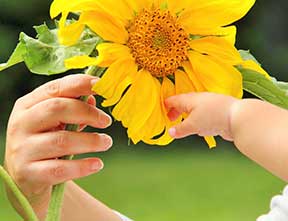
(185, 181)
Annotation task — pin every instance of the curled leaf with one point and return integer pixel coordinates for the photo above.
(44, 55)
(269, 90)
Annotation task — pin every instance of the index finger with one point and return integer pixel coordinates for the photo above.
(72, 86)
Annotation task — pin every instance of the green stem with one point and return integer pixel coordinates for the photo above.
(55, 205)
(27, 209)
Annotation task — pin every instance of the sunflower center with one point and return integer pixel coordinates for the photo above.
(158, 43)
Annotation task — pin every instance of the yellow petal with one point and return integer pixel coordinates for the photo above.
(164, 140)
(105, 25)
(215, 76)
(155, 125)
(64, 32)
(137, 105)
(167, 90)
(114, 75)
(79, 62)
(139, 4)
(211, 142)
(69, 35)
(215, 13)
(252, 65)
(110, 52)
(122, 11)
(217, 48)
(193, 77)
(183, 84)
(227, 33)
(177, 6)
(60, 6)
(156, 3)
(119, 90)
(57, 7)
(82, 5)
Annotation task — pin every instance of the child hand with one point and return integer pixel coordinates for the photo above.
(36, 138)
(208, 114)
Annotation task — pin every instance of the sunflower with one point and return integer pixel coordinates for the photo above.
(154, 49)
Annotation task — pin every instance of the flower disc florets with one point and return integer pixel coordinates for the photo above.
(158, 43)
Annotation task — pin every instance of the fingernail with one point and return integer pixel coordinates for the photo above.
(96, 166)
(107, 140)
(172, 132)
(94, 81)
(106, 121)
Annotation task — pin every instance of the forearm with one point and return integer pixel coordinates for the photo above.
(79, 205)
(260, 131)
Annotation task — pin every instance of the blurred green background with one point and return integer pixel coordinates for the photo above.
(183, 181)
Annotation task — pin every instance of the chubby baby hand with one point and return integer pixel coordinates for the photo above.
(208, 114)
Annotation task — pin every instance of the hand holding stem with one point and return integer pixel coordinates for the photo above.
(36, 137)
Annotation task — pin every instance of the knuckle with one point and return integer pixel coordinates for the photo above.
(55, 105)
(58, 171)
(20, 178)
(13, 128)
(186, 108)
(76, 82)
(61, 140)
(92, 112)
(14, 150)
(19, 102)
(40, 190)
(14, 125)
(20, 174)
(83, 169)
(53, 88)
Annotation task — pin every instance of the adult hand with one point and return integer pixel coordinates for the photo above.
(36, 138)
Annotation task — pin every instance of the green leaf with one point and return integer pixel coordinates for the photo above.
(280, 84)
(246, 55)
(45, 35)
(15, 58)
(44, 55)
(263, 88)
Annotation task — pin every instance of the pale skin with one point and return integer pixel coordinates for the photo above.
(35, 138)
(258, 129)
